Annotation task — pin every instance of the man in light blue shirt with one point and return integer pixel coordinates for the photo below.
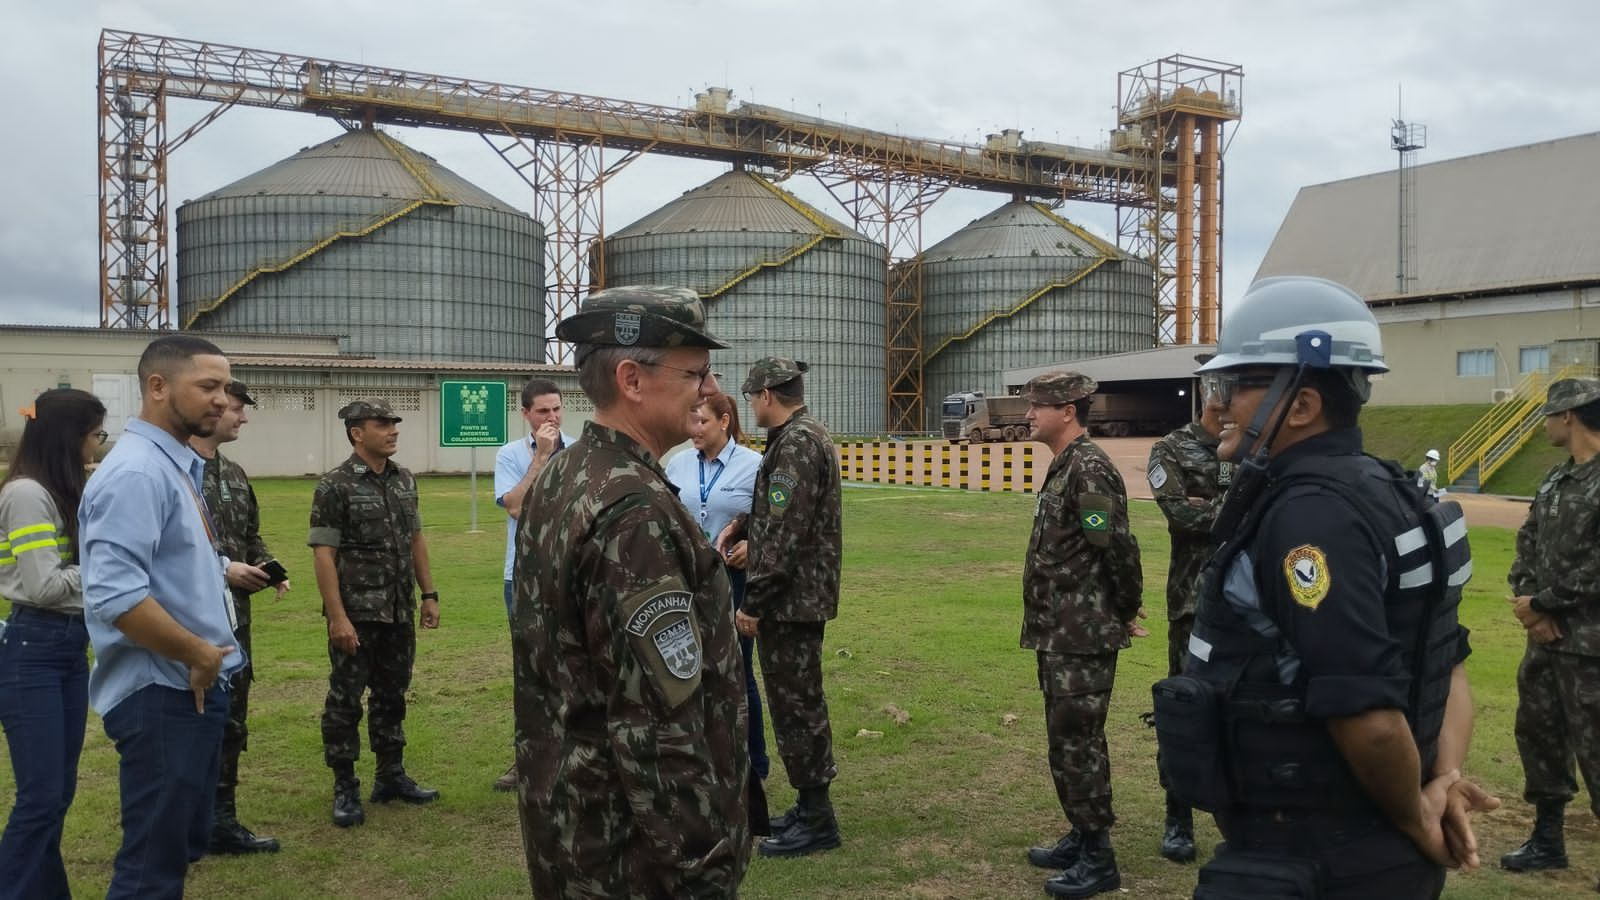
(159, 616)
(516, 466)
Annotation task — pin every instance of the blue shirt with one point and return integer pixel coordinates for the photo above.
(511, 462)
(715, 490)
(144, 533)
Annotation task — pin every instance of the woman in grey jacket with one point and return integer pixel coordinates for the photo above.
(44, 671)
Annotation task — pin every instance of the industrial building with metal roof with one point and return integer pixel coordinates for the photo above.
(1504, 283)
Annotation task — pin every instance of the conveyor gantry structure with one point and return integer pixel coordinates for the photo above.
(566, 146)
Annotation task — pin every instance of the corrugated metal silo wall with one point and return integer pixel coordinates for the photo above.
(1109, 311)
(444, 283)
(825, 306)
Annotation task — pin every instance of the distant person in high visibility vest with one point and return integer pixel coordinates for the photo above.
(1428, 473)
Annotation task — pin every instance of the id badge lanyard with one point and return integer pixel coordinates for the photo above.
(705, 490)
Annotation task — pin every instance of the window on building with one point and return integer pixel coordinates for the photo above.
(1533, 359)
(1475, 363)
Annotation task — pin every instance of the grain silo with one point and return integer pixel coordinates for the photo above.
(365, 238)
(779, 277)
(1020, 287)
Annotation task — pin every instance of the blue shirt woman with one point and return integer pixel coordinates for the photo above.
(716, 481)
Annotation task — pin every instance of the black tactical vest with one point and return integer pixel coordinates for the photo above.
(1269, 754)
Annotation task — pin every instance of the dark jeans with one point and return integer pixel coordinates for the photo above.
(44, 702)
(170, 755)
(759, 761)
(510, 601)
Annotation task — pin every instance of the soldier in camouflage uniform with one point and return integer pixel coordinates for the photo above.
(1556, 580)
(793, 529)
(232, 504)
(1188, 482)
(630, 698)
(1081, 586)
(370, 556)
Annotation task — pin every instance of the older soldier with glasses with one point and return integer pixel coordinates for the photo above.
(630, 697)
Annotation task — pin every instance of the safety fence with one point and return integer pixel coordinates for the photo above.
(1015, 466)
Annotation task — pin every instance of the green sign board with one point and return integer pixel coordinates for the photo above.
(472, 413)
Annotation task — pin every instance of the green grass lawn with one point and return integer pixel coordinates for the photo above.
(942, 806)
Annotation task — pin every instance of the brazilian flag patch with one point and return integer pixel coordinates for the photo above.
(1094, 520)
(778, 496)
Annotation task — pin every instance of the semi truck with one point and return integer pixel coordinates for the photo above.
(973, 417)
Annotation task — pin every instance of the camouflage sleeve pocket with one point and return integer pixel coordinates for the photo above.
(665, 637)
(1094, 518)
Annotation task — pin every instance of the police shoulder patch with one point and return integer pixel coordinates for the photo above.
(1305, 569)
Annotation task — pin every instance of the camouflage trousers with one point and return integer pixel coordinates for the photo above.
(1558, 720)
(1077, 696)
(235, 731)
(1178, 631)
(381, 666)
(791, 666)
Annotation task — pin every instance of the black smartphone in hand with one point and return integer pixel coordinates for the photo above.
(276, 573)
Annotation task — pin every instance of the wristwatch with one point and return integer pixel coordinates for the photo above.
(431, 595)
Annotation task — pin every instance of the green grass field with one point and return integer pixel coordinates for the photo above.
(942, 806)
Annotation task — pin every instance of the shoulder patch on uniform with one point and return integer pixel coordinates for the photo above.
(785, 479)
(665, 624)
(780, 490)
(1158, 476)
(1305, 568)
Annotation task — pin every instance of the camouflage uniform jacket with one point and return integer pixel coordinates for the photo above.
(794, 524)
(1557, 564)
(1184, 468)
(629, 698)
(232, 503)
(369, 519)
(1081, 580)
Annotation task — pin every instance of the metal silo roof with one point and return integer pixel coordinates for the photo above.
(361, 163)
(1019, 229)
(736, 201)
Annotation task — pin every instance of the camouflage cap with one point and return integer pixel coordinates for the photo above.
(771, 371)
(374, 408)
(640, 316)
(237, 389)
(1058, 387)
(1570, 393)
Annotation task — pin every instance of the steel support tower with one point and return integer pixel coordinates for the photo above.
(1406, 138)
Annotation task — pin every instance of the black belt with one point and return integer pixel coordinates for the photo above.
(1297, 830)
(24, 611)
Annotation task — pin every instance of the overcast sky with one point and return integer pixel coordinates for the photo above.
(1320, 85)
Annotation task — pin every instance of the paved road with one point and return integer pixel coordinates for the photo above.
(1132, 455)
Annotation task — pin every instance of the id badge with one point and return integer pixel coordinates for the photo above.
(227, 604)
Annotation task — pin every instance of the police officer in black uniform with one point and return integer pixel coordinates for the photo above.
(1323, 714)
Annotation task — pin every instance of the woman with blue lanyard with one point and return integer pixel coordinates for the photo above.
(717, 481)
(44, 669)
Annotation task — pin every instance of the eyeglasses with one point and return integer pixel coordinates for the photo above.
(1222, 386)
(103, 435)
(701, 373)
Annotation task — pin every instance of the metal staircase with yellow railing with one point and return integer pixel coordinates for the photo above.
(1491, 442)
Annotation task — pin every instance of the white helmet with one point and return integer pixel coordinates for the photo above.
(1432, 454)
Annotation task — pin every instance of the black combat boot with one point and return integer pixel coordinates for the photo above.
(228, 836)
(1177, 840)
(347, 809)
(1062, 856)
(391, 782)
(1547, 848)
(780, 824)
(1095, 871)
(813, 830)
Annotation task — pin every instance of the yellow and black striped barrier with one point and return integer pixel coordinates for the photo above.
(1017, 466)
